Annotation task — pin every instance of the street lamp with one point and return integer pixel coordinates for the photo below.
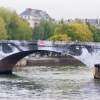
(7, 26)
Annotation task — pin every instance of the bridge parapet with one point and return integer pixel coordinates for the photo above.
(9, 47)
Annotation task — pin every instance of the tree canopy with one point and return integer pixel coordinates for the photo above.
(44, 30)
(17, 28)
(77, 31)
(60, 37)
(83, 32)
(95, 31)
(3, 32)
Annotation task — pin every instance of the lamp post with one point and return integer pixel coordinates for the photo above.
(7, 26)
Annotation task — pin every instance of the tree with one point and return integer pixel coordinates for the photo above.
(77, 31)
(17, 28)
(38, 32)
(48, 29)
(3, 33)
(83, 32)
(67, 30)
(44, 30)
(6, 14)
(96, 35)
(60, 37)
(95, 31)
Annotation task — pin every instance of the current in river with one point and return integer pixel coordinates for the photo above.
(50, 83)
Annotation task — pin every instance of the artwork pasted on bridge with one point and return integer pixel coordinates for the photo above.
(11, 51)
(86, 52)
(10, 47)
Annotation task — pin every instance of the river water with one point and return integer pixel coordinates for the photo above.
(50, 83)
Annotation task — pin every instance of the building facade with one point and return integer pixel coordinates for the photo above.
(95, 22)
(34, 16)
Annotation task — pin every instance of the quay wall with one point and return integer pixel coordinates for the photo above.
(48, 61)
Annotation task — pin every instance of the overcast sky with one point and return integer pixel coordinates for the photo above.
(67, 9)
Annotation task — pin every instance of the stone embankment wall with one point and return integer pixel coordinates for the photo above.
(21, 63)
(48, 61)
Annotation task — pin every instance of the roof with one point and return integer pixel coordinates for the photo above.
(36, 13)
(27, 12)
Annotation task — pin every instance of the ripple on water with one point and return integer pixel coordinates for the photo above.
(50, 83)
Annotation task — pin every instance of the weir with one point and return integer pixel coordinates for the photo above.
(11, 51)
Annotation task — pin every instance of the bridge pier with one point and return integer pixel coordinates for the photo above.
(96, 71)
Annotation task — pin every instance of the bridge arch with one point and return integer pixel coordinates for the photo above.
(8, 63)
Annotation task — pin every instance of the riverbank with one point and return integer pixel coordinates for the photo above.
(48, 61)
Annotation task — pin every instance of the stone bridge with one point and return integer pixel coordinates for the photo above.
(11, 51)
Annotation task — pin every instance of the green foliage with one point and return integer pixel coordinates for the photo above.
(77, 31)
(66, 29)
(38, 32)
(3, 33)
(96, 35)
(95, 31)
(6, 14)
(60, 37)
(44, 30)
(83, 32)
(17, 28)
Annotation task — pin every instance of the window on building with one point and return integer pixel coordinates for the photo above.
(35, 23)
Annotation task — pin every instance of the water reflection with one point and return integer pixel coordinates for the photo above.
(50, 83)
